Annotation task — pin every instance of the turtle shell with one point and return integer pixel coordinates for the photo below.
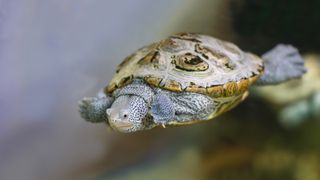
(192, 63)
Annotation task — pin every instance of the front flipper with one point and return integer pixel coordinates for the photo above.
(162, 109)
(93, 109)
(190, 107)
(282, 63)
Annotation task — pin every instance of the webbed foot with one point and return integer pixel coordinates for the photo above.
(282, 63)
(94, 109)
(162, 109)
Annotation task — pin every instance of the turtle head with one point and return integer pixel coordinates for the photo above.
(127, 113)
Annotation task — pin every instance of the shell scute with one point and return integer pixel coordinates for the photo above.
(196, 89)
(215, 91)
(125, 81)
(190, 62)
(173, 86)
(154, 81)
(231, 88)
(152, 57)
(110, 88)
(243, 85)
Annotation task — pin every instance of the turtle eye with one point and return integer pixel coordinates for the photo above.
(124, 115)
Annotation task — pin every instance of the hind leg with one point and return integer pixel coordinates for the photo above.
(93, 109)
(282, 63)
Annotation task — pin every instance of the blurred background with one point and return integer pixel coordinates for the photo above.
(54, 52)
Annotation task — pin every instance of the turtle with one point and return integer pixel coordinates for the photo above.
(184, 79)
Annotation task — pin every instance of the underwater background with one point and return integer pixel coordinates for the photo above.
(54, 52)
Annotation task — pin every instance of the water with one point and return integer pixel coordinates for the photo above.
(55, 52)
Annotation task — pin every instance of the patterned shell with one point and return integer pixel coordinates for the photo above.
(192, 63)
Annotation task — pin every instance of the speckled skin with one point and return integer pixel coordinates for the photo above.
(185, 79)
(143, 107)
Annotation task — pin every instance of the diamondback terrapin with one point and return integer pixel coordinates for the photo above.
(185, 79)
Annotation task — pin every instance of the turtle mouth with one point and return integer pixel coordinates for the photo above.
(120, 125)
(124, 125)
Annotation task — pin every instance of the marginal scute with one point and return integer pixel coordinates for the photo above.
(215, 91)
(110, 88)
(230, 88)
(173, 86)
(253, 79)
(154, 81)
(243, 86)
(196, 89)
(125, 81)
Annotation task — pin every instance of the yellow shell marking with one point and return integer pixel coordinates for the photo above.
(243, 86)
(215, 91)
(173, 86)
(110, 88)
(154, 81)
(196, 89)
(231, 88)
(125, 81)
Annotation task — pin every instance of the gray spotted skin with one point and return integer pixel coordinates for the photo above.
(192, 106)
(133, 110)
(94, 109)
(138, 109)
(162, 109)
(133, 100)
(282, 63)
(137, 88)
